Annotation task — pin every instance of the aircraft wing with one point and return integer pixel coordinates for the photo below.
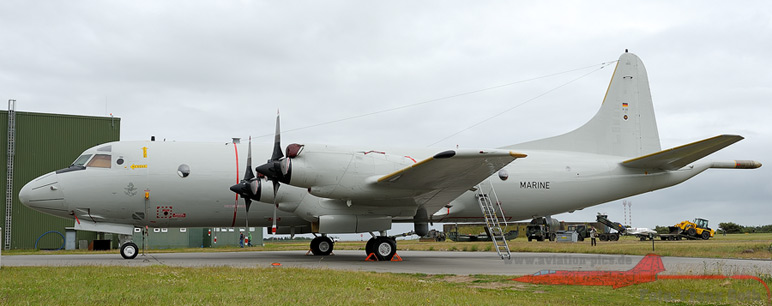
(446, 175)
(675, 158)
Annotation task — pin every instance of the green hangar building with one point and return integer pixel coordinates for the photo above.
(35, 144)
(38, 143)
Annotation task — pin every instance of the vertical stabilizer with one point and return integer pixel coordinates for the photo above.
(624, 125)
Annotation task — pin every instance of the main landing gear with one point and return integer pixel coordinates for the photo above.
(383, 247)
(322, 245)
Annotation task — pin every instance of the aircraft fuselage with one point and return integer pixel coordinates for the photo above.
(178, 184)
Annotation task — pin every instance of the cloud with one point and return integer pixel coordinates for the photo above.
(199, 71)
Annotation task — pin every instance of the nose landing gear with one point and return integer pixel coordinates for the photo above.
(129, 250)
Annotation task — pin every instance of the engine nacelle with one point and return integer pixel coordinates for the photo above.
(336, 173)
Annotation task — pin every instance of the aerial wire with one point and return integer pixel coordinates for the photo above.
(604, 64)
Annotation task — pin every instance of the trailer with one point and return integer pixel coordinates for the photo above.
(689, 230)
(455, 236)
(606, 234)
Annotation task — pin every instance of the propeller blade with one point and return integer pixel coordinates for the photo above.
(278, 168)
(249, 175)
(277, 154)
(275, 205)
(273, 226)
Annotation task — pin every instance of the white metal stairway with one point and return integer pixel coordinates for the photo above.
(494, 217)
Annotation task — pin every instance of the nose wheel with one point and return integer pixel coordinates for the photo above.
(129, 250)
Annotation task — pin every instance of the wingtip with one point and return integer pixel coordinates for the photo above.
(737, 164)
(518, 155)
(747, 164)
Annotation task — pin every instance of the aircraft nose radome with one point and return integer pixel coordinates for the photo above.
(43, 194)
(25, 194)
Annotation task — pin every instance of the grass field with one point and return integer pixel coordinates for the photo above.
(160, 285)
(228, 285)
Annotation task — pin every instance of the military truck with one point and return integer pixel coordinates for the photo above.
(581, 231)
(542, 228)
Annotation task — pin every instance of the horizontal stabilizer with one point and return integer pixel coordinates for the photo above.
(675, 158)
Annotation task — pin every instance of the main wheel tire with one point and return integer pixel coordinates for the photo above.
(614, 237)
(553, 237)
(321, 246)
(705, 235)
(603, 237)
(385, 248)
(370, 246)
(129, 250)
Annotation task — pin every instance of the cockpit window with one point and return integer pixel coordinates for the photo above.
(81, 161)
(78, 164)
(100, 161)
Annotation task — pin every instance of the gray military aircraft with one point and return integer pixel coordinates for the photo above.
(323, 189)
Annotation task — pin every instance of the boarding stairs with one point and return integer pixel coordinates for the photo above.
(494, 217)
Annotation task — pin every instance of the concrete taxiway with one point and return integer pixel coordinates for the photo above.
(428, 262)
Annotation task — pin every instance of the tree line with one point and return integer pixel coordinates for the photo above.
(734, 228)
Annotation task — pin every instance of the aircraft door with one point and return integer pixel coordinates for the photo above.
(133, 162)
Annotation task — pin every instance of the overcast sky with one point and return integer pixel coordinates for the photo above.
(209, 71)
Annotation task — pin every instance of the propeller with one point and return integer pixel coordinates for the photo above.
(249, 187)
(277, 169)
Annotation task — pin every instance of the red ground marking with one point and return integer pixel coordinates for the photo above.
(645, 271)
